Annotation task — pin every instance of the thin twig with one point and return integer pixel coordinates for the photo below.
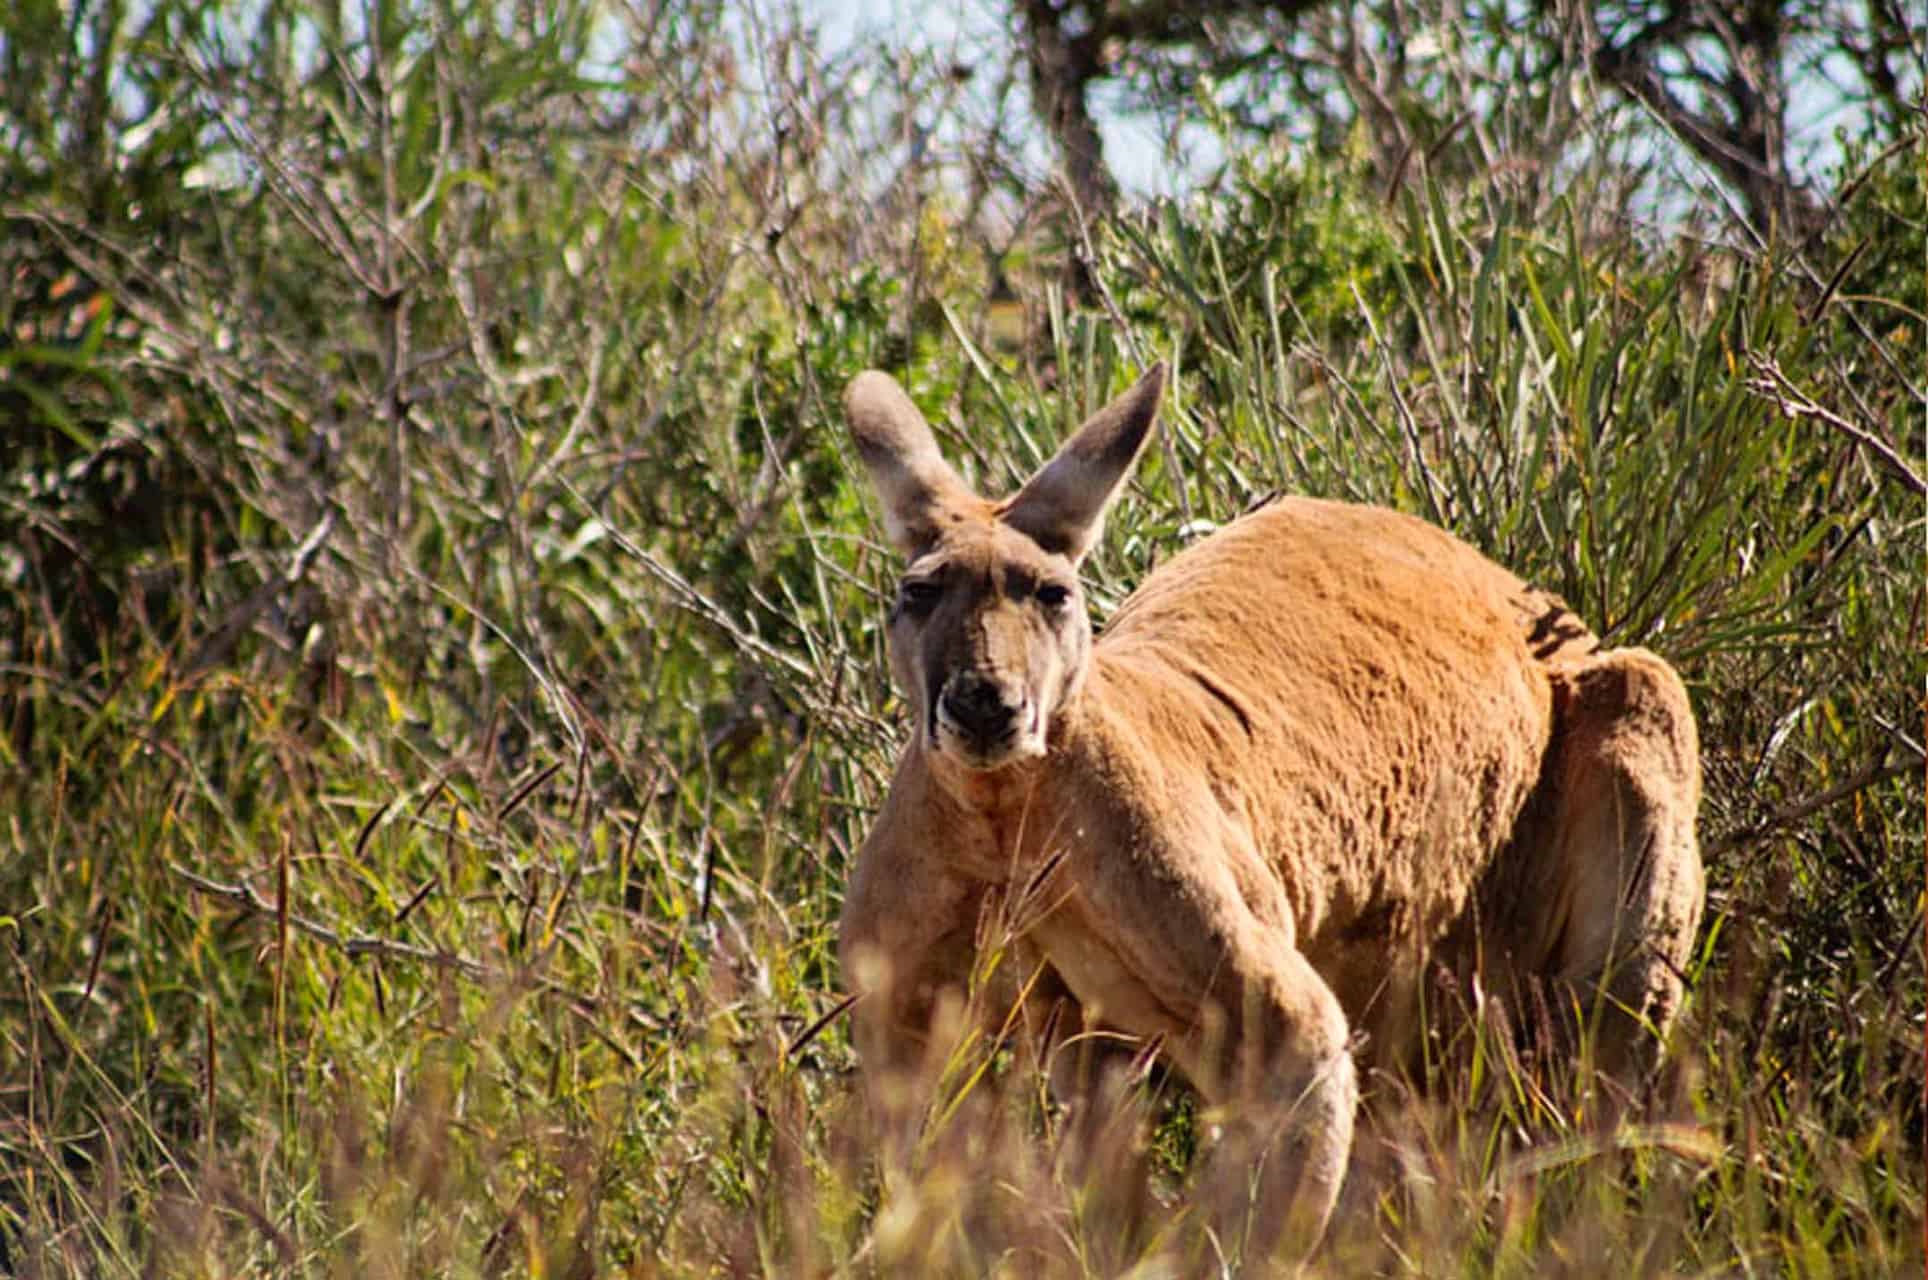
(244, 897)
(692, 600)
(1873, 775)
(1774, 385)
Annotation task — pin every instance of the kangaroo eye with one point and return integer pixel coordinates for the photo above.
(1054, 595)
(920, 595)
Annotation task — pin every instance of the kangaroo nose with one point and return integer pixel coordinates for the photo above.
(977, 705)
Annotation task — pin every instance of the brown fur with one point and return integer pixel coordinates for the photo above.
(1313, 754)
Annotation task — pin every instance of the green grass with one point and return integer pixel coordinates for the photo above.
(433, 738)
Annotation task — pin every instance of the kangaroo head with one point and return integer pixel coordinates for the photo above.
(989, 638)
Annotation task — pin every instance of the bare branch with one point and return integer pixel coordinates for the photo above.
(1774, 385)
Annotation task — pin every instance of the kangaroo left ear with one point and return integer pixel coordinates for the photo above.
(911, 477)
(1062, 507)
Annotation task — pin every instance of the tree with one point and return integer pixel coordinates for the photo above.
(1727, 80)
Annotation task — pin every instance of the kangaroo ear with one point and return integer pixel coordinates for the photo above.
(910, 475)
(1062, 507)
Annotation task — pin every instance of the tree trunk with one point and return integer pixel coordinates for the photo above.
(1062, 69)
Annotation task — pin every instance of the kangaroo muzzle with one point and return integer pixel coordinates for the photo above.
(982, 721)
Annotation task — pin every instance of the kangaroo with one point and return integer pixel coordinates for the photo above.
(1316, 754)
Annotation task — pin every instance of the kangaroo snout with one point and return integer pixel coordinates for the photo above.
(977, 707)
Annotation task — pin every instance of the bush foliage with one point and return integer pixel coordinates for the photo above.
(441, 684)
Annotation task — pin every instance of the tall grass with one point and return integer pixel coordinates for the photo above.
(443, 688)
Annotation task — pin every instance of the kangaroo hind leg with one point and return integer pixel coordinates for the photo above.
(1627, 865)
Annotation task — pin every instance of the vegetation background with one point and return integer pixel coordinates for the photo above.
(440, 671)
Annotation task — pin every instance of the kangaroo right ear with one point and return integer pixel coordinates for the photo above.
(910, 475)
(1062, 507)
